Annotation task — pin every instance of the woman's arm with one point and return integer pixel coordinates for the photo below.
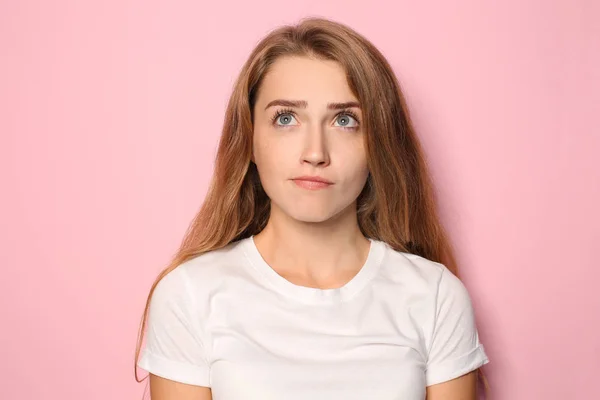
(461, 388)
(165, 389)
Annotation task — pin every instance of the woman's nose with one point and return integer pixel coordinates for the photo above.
(315, 149)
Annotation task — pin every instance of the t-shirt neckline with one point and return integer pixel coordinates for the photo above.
(315, 295)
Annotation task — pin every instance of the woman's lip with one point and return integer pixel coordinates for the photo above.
(311, 184)
(312, 179)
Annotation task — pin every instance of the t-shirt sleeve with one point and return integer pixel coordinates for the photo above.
(175, 346)
(454, 347)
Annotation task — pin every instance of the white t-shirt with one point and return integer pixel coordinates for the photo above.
(228, 321)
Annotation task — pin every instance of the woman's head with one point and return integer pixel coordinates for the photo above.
(379, 169)
(306, 123)
(395, 201)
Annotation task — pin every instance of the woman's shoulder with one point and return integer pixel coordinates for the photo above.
(419, 274)
(404, 266)
(205, 271)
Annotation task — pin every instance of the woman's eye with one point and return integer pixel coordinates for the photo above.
(284, 119)
(346, 121)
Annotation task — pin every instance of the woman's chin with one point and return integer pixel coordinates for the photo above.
(315, 215)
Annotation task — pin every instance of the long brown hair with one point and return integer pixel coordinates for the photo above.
(397, 205)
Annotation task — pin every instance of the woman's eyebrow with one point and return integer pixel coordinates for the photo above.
(304, 104)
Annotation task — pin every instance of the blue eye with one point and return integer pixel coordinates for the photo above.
(347, 117)
(285, 118)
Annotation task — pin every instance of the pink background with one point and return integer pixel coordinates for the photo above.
(110, 113)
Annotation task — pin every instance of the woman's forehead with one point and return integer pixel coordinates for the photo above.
(304, 79)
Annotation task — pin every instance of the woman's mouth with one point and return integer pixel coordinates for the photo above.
(312, 182)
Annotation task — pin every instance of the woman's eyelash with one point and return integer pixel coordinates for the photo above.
(280, 112)
(350, 113)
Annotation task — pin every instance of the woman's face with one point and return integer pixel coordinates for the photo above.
(314, 138)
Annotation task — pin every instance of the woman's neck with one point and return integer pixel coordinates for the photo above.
(325, 254)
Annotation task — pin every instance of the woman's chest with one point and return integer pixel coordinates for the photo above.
(343, 353)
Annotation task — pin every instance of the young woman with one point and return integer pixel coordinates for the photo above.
(317, 267)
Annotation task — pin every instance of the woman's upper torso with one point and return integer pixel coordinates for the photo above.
(228, 321)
